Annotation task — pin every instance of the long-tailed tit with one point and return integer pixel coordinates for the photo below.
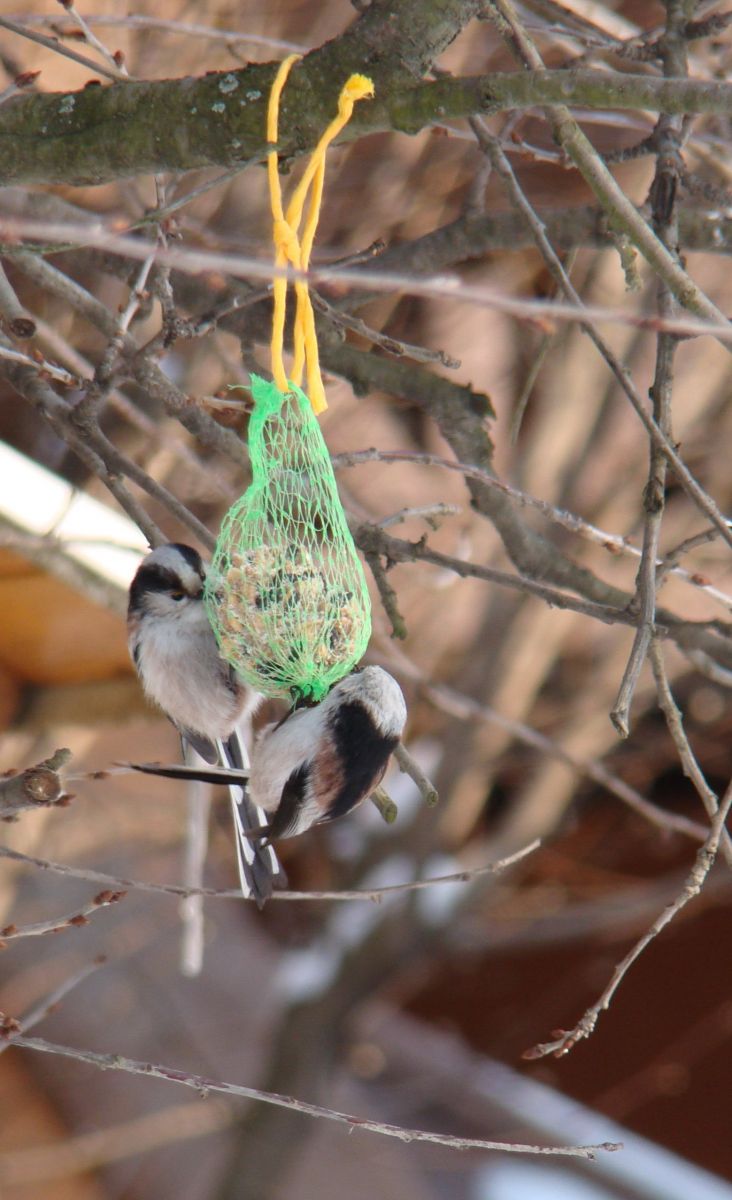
(320, 762)
(178, 661)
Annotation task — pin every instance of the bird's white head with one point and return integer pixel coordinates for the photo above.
(168, 581)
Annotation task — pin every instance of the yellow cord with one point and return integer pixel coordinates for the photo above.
(290, 248)
(279, 225)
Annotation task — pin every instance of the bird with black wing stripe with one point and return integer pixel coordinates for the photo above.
(320, 762)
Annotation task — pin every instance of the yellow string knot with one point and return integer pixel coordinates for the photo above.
(358, 87)
(285, 240)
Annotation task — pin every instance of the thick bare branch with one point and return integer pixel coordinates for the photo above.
(38, 786)
(218, 120)
(176, 125)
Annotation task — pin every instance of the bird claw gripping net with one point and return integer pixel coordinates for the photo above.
(287, 596)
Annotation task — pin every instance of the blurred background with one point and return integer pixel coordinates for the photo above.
(415, 1010)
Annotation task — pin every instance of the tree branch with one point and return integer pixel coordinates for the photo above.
(75, 920)
(50, 1002)
(35, 787)
(175, 125)
(219, 119)
(374, 895)
(595, 173)
(695, 881)
(203, 1085)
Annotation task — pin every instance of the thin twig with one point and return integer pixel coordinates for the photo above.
(355, 894)
(669, 563)
(653, 503)
(612, 542)
(410, 767)
(157, 435)
(17, 320)
(384, 805)
(53, 44)
(204, 1085)
(105, 369)
(56, 559)
(663, 193)
(389, 598)
(137, 21)
(660, 437)
(384, 341)
(547, 343)
(694, 883)
(75, 920)
(53, 372)
(91, 39)
(708, 667)
(24, 80)
(50, 1002)
(147, 374)
(446, 699)
(675, 725)
(373, 542)
(588, 162)
(155, 215)
(33, 388)
(98, 235)
(428, 513)
(77, 424)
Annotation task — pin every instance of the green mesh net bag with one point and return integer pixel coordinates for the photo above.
(287, 596)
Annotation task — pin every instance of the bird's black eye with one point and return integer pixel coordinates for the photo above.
(177, 595)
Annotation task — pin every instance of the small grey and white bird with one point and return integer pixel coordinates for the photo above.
(177, 659)
(319, 762)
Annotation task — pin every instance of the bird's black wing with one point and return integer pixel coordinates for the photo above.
(291, 801)
(201, 744)
(364, 751)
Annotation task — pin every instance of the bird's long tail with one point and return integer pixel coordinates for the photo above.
(258, 865)
(197, 774)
